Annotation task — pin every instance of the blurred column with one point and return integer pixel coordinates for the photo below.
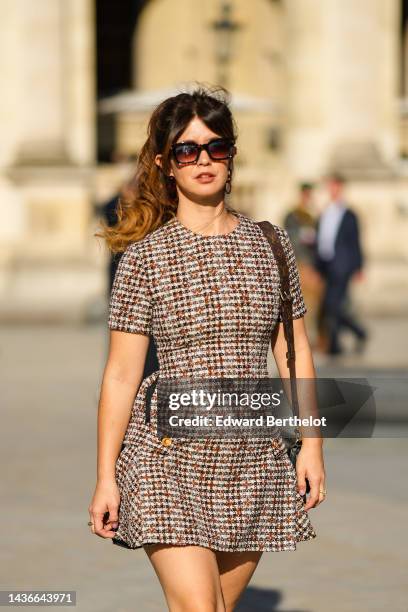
(43, 84)
(52, 150)
(11, 59)
(79, 71)
(47, 266)
(56, 88)
(305, 67)
(342, 67)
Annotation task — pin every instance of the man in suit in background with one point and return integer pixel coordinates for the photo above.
(338, 258)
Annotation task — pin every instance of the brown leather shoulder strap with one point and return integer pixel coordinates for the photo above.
(285, 303)
(277, 248)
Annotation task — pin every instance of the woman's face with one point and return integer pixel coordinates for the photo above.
(187, 175)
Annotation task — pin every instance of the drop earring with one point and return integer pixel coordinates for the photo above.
(171, 186)
(228, 182)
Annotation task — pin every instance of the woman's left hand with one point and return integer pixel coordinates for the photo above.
(310, 465)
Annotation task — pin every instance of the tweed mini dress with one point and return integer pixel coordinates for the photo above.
(210, 303)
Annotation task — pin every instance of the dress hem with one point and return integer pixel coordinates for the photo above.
(217, 547)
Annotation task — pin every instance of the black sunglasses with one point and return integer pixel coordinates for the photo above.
(188, 152)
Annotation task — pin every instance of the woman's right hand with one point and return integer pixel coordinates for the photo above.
(104, 507)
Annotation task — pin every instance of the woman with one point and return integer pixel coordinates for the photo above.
(201, 278)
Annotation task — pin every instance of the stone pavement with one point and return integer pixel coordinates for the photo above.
(50, 379)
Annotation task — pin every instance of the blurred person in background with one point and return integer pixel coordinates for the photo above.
(338, 258)
(109, 213)
(301, 223)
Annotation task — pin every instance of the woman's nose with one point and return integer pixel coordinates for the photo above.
(202, 159)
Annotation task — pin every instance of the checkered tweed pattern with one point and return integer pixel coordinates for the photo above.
(211, 303)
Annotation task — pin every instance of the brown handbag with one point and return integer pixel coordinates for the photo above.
(293, 445)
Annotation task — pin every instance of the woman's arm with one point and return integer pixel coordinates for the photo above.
(310, 459)
(304, 360)
(120, 382)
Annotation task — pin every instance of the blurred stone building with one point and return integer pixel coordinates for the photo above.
(315, 86)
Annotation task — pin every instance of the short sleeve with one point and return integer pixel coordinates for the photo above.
(298, 305)
(130, 304)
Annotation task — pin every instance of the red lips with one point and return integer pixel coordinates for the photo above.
(204, 174)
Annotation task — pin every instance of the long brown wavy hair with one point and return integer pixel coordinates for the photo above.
(150, 198)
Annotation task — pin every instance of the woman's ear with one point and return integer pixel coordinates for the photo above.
(158, 160)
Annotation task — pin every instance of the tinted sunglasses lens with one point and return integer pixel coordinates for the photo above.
(185, 153)
(220, 149)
